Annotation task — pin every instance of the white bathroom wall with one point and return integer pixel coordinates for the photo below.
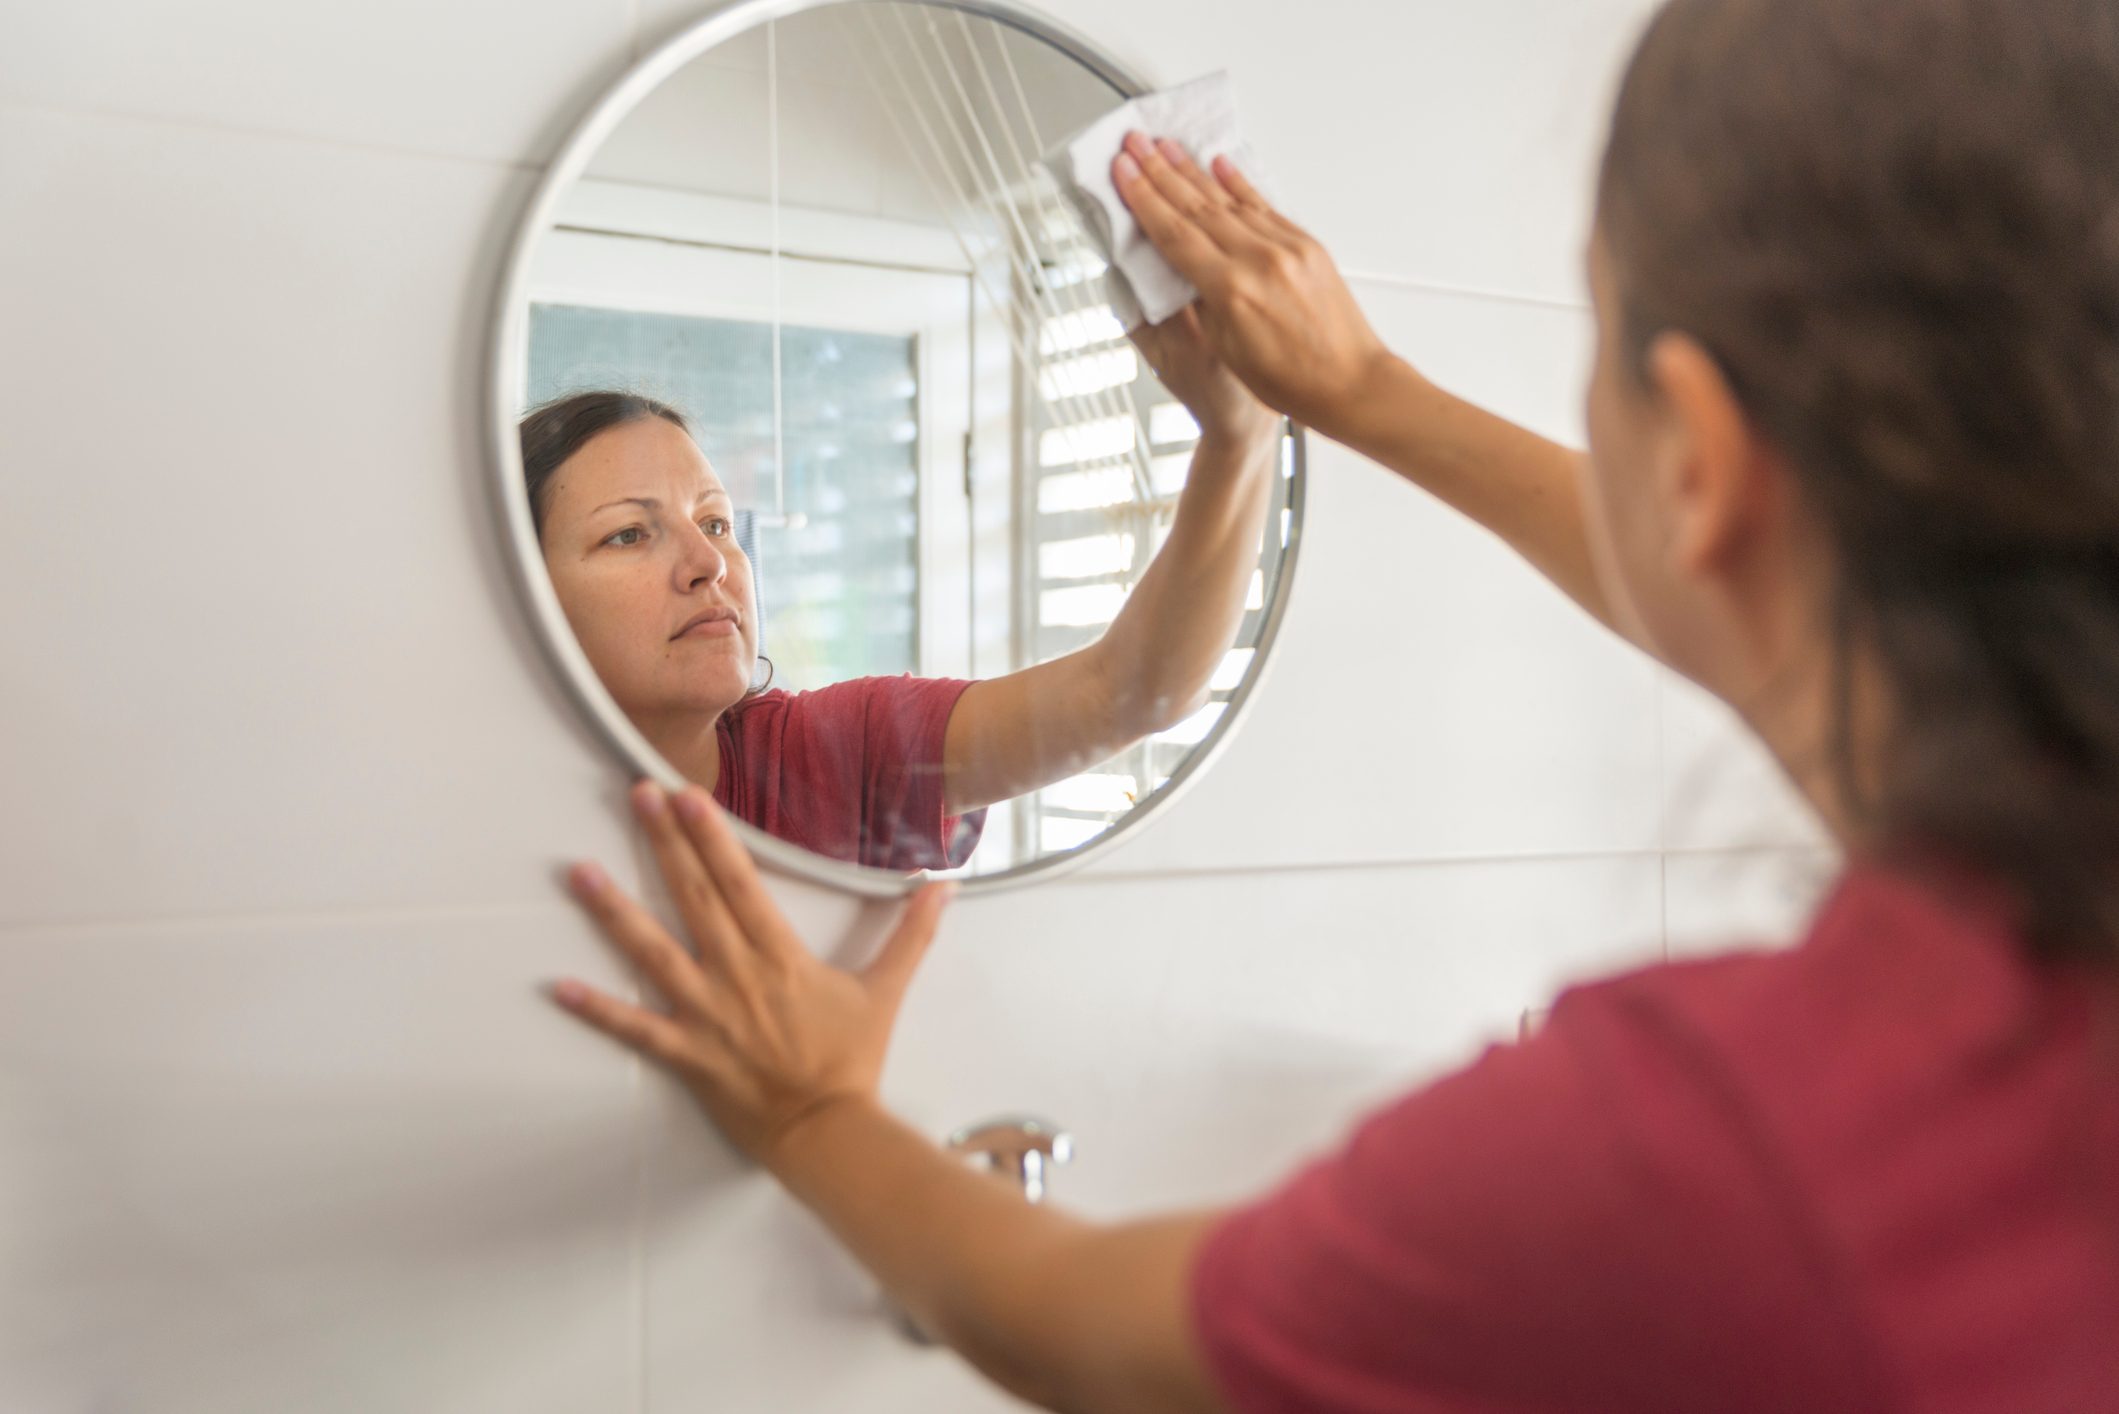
(283, 1122)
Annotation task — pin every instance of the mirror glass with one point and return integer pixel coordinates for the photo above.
(824, 414)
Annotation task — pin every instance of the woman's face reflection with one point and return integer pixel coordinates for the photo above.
(639, 538)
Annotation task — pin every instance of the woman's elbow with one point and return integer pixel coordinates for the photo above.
(1163, 710)
(1137, 701)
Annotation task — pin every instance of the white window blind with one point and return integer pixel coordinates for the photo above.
(1111, 449)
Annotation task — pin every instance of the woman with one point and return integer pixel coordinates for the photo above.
(639, 538)
(1855, 467)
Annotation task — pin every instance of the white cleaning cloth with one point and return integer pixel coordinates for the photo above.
(1201, 116)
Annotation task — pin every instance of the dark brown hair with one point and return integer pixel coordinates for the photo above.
(558, 429)
(1895, 225)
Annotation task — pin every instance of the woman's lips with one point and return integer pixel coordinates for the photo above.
(717, 623)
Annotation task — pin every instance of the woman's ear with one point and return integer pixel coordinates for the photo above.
(1713, 473)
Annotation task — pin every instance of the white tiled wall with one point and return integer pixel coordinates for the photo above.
(283, 1123)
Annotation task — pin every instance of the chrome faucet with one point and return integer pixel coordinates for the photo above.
(1022, 1148)
(1019, 1147)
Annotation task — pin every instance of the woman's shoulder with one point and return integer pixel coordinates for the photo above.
(756, 711)
(852, 699)
(1883, 945)
(1903, 994)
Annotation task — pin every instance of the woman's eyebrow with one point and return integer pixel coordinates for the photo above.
(644, 502)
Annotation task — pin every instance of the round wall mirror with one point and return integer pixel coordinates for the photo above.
(834, 481)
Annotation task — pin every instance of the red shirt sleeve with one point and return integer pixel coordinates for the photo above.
(1583, 1222)
(852, 771)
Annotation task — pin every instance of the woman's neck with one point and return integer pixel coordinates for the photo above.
(1798, 715)
(690, 742)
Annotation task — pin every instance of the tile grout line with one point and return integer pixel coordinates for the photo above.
(243, 130)
(1662, 902)
(561, 907)
(1662, 809)
(1448, 861)
(1476, 292)
(290, 918)
(643, 1131)
(640, 1313)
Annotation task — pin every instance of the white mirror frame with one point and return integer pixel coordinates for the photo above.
(506, 373)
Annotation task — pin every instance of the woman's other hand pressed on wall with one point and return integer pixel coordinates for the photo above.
(760, 1030)
(784, 1052)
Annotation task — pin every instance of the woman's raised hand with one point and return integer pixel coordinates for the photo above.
(760, 1030)
(1183, 357)
(1272, 304)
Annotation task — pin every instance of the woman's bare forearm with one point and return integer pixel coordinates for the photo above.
(1523, 487)
(1152, 667)
(1162, 650)
(1065, 1314)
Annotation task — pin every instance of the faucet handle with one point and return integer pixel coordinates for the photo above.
(1020, 1147)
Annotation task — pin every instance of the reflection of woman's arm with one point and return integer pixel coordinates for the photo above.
(1150, 670)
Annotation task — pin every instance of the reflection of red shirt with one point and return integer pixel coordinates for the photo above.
(1876, 1173)
(852, 771)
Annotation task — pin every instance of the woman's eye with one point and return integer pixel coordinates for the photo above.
(716, 527)
(631, 535)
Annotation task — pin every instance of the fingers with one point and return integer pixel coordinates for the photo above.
(1187, 224)
(699, 903)
(1238, 186)
(891, 971)
(636, 934)
(734, 874)
(1181, 165)
(1240, 190)
(1180, 241)
(1248, 197)
(656, 1037)
(1236, 229)
(1227, 186)
(1193, 202)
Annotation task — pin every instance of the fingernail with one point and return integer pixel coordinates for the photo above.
(691, 804)
(648, 799)
(569, 993)
(1171, 149)
(1128, 170)
(1137, 141)
(589, 880)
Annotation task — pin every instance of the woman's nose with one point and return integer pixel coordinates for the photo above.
(702, 560)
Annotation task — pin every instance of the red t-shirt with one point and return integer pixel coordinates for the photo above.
(852, 771)
(1879, 1172)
